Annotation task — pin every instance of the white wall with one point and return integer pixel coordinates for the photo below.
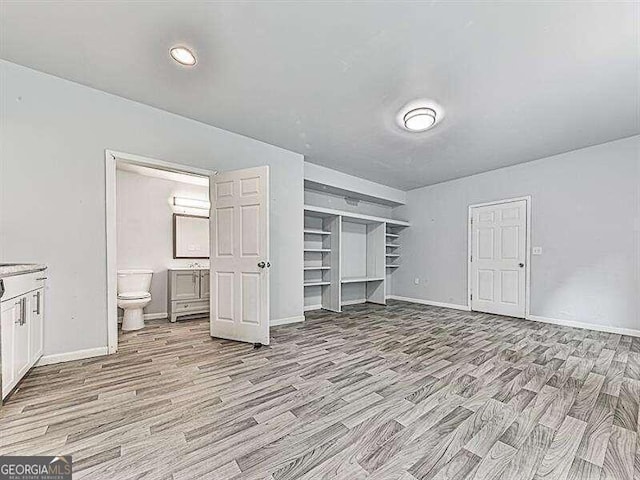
(144, 219)
(53, 138)
(585, 216)
(355, 185)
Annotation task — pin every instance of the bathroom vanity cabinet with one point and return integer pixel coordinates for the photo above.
(21, 326)
(188, 292)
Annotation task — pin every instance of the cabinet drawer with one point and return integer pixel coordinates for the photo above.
(183, 306)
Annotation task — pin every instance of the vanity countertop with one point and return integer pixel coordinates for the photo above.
(11, 269)
(186, 269)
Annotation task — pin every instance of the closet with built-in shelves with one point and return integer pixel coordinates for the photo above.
(348, 257)
(321, 261)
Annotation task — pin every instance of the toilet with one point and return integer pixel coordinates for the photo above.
(133, 296)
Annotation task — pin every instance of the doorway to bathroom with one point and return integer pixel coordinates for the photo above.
(161, 243)
(159, 239)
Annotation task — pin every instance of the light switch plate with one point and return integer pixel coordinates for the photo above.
(536, 250)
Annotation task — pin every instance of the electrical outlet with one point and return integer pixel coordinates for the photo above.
(416, 281)
(536, 251)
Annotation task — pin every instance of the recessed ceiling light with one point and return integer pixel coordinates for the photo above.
(419, 119)
(183, 56)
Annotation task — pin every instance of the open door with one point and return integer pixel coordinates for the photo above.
(240, 255)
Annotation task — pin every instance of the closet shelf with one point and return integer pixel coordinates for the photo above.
(392, 235)
(350, 216)
(393, 266)
(317, 268)
(317, 250)
(316, 284)
(361, 279)
(393, 245)
(316, 232)
(394, 255)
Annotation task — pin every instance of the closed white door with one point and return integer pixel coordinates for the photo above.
(240, 255)
(498, 258)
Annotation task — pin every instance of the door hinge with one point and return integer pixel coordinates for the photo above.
(471, 297)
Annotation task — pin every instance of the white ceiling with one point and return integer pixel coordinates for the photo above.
(518, 81)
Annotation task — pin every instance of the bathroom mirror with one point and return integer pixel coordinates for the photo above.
(190, 236)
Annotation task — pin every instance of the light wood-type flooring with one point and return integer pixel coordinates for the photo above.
(399, 392)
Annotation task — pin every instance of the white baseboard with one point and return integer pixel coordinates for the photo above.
(352, 302)
(429, 302)
(309, 308)
(589, 326)
(151, 316)
(287, 321)
(69, 356)
(555, 321)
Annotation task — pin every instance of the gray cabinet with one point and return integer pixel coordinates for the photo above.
(204, 284)
(188, 292)
(184, 284)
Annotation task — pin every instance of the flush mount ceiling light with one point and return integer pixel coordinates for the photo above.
(420, 115)
(419, 119)
(183, 56)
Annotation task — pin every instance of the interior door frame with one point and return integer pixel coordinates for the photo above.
(527, 276)
(112, 158)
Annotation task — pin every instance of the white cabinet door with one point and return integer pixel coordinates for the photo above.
(498, 256)
(21, 354)
(37, 324)
(240, 255)
(186, 285)
(9, 314)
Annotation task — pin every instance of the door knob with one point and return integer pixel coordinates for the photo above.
(262, 264)
(521, 264)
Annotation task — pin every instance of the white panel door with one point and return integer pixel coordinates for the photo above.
(498, 258)
(240, 255)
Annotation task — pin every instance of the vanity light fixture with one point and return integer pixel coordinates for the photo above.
(191, 203)
(183, 56)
